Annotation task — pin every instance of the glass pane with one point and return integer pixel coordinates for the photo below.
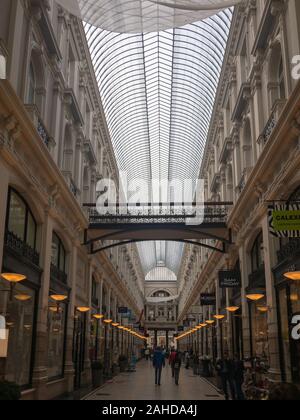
(285, 333)
(56, 335)
(31, 231)
(17, 213)
(295, 300)
(55, 250)
(260, 332)
(62, 259)
(19, 321)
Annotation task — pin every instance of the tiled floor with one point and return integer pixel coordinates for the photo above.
(140, 386)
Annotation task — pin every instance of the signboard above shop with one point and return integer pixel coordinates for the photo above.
(123, 310)
(208, 299)
(284, 220)
(230, 279)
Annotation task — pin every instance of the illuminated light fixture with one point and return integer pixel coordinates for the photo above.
(294, 297)
(219, 317)
(203, 325)
(58, 298)
(232, 308)
(98, 316)
(23, 297)
(115, 324)
(293, 275)
(263, 309)
(27, 327)
(254, 297)
(210, 322)
(121, 327)
(13, 277)
(83, 309)
(54, 309)
(108, 321)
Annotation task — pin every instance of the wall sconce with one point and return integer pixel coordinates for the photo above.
(83, 309)
(108, 321)
(22, 297)
(293, 275)
(13, 279)
(254, 297)
(219, 317)
(98, 316)
(210, 322)
(232, 308)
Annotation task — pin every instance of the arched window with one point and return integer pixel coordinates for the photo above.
(20, 220)
(277, 89)
(58, 257)
(257, 253)
(161, 294)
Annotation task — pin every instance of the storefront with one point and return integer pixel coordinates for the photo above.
(258, 310)
(18, 303)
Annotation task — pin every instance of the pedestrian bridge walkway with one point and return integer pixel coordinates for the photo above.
(140, 386)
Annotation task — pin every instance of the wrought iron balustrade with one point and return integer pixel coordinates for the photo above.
(16, 244)
(272, 122)
(289, 250)
(157, 213)
(58, 274)
(43, 133)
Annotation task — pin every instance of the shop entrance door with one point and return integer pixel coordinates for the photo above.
(79, 349)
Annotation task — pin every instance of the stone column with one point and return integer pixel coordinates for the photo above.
(40, 376)
(245, 270)
(3, 208)
(270, 262)
(69, 366)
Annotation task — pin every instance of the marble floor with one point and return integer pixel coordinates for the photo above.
(140, 386)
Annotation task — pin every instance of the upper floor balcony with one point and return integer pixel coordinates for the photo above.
(40, 126)
(272, 122)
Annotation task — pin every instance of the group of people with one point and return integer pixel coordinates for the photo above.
(231, 373)
(159, 360)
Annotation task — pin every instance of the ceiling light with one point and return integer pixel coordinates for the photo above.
(210, 322)
(108, 321)
(263, 309)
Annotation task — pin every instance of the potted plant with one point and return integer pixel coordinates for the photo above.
(123, 362)
(97, 373)
(9, 391)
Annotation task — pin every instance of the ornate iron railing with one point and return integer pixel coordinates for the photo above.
(157, 213)
(13, 242)
(289, 250)
(58, 274)
(43, 133)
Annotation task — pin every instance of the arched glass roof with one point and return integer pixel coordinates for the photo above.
(158, 91)
(161, 274)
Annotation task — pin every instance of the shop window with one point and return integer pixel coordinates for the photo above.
(259, 322)
(20, 221)
(56, 339)
(58, 257)
(257, 254)
(18, 311)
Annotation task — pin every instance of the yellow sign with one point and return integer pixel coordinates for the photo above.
(286, 220)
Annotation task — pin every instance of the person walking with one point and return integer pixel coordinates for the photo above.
(147, 353)
(171, 361)
(177, 366)
(238, 377)
(158, 364)
(225, 369)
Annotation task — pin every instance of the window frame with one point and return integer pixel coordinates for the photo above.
(60, 248)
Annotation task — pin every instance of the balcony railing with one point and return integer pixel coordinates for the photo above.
(38, 123)
(57, 274)
(20, 247)
(289, 250)
(272, 122)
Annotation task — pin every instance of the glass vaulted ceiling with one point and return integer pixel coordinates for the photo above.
(158, 91)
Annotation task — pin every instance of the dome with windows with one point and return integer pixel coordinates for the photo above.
(161, 273)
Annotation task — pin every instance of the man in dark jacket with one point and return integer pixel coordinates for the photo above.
(225, 369)
(158, 364)
(176, 367)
